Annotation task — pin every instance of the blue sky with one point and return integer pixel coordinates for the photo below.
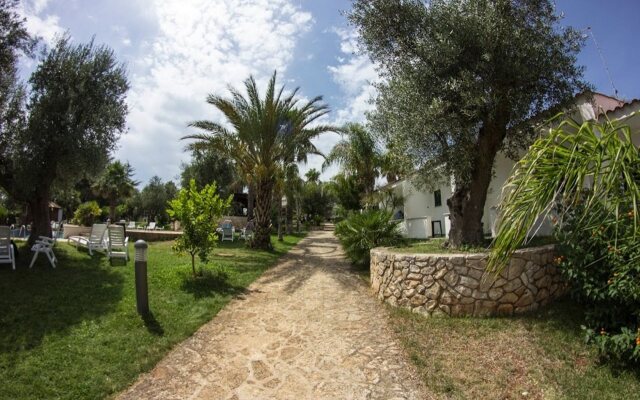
(178, 51)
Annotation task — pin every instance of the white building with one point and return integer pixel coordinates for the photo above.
(425, 212)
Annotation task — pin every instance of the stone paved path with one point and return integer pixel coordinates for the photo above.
(307, 329)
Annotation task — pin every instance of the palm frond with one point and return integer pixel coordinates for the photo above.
(594, 164)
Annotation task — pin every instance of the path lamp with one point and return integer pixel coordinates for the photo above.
(142, 289)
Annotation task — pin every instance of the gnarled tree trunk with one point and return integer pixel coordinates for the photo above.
(39, 207)
(262, 214)
(466, 205)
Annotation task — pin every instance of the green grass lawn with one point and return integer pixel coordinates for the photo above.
(538, 356)
(73, 332)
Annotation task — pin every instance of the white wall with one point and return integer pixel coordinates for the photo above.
(420, 209)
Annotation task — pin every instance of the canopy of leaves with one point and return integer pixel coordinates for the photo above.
(116, 183)
(208, 166)
(312, 175)
(454, 68)
(347, 192)
(154, 198)
(316, 200)
(357, 155)
(264, 133)
(14, 42)
(76, 113)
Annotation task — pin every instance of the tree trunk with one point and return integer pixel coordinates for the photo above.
(41, 225)
(251, 198)
(298, 214)
(112, 211)
(466, 205)
(280, 218)
(193, 264)
(288, 216)
(262, 214)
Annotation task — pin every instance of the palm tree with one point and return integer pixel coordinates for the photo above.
(357, 155)
(115, 185)
(264, 135)
(592, 169)
(312, 175)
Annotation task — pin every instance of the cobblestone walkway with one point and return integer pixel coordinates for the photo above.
(307, 329)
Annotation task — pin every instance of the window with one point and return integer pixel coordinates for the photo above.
(437, 198)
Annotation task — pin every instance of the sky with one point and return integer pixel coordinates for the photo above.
(179, 51)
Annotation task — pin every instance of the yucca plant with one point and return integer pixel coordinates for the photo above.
(361, 232)
(594, 165)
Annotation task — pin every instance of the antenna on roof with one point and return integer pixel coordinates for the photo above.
(604, 62)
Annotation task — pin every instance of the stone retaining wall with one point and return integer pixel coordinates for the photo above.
(456, 285)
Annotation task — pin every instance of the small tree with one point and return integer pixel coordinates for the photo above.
(154, 198)
(198, 212)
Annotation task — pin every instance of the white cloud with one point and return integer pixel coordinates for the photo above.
(39, 5)
(201, 47)
(45, 26)
(354, 74)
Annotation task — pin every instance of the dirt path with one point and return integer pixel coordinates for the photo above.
(307, 329)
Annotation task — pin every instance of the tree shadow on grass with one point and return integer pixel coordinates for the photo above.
(41, 301)
(210, 283)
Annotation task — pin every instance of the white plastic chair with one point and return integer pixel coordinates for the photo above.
(7, 255)
(151, 226)
(118, 244)
(56, 229)
(227, 230)
(44, 245)
(132, 225)
(97, 240)
(247, 231)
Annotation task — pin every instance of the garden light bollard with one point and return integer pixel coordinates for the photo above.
(142, 289)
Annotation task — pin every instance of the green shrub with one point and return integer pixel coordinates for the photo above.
(198, 212)
(317, 220)
(86, 213)
(605, 277)
(359, 233)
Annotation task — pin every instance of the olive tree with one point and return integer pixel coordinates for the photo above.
(71, 121)
(462, 81)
